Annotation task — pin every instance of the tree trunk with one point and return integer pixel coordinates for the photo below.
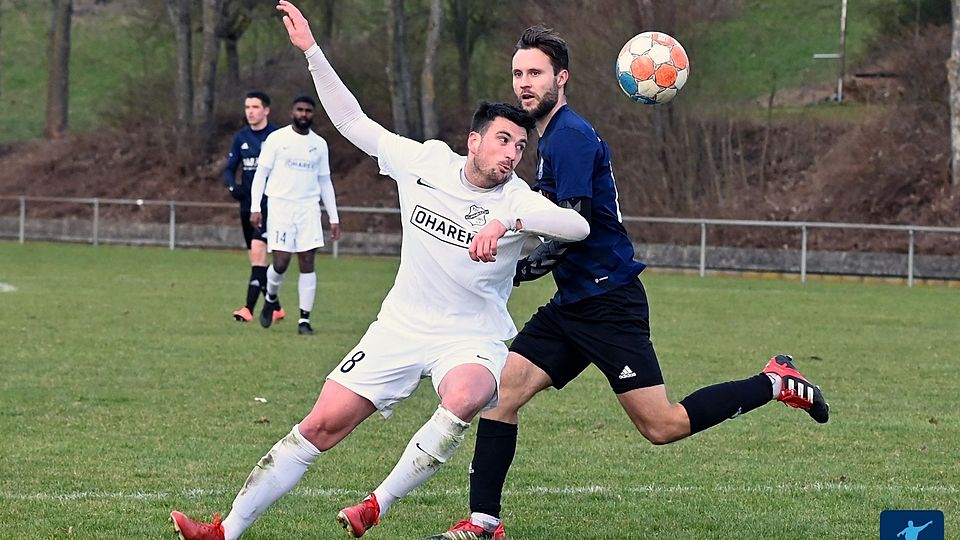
(204, 98)
(953, 76)
(461, 35)
(398, 71)
(179, 11)
(235, 19)
(1, 50)
(645, 16)
(233, 61)
(428, 105)
(58, 63)
(329, 14)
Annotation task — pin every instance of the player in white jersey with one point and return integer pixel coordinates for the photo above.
(464, 219)
(296, 162)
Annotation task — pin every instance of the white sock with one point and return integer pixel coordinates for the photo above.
(274, 280)
(488, 522)
(307, 288)
(275, 474)
(429, 448)
(777, 383)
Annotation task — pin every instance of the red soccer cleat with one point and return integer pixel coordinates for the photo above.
(796, 390)
(243, 315)
(467, 530)
(187, 529)
(278, 314)
(358, 519)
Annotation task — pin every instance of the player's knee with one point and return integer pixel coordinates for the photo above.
(509, 403)
(465, 404)
(515, 393)
(323, 433)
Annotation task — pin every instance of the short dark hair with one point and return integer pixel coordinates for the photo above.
(263, 97)
(487, 112)
(304, 99)
(549, 42)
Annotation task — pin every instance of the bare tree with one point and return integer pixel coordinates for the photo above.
(328, 8)
(645, 16)
(236, 18)
(470, 21)
(428, 105)
(953, 77)
(398, 72)
(205, 95)
(1, 50)
(179, 11)
(58, 69)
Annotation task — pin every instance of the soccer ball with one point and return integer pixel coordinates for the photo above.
(652, 67)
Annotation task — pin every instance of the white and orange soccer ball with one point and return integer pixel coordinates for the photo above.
(652, 67)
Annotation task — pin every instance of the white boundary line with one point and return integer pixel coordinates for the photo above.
(651, 489)
(6, 287)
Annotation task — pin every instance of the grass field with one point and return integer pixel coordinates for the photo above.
(128, 391)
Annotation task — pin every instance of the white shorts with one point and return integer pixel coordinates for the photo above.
(293, 226)
(387, 365)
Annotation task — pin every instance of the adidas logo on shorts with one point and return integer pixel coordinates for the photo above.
(627, 373)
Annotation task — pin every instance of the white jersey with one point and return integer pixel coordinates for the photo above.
(297, 163)
(438, 288)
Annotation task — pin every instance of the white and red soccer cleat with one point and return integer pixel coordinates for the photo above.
(796, 390)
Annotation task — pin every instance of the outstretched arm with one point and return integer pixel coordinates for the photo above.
(337, 100)
(549, 220)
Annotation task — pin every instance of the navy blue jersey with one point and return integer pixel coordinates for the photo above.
(245, 151)
(573, 161)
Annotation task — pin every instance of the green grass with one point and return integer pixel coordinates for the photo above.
(128, 391)
(772, 42)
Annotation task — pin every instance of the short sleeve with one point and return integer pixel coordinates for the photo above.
(572, 158)
(396, 154)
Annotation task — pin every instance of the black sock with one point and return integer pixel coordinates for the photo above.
(257, 284)
(492, 457)
(304, 315)
(711, 405)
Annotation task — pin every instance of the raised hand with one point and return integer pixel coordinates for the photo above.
(297, 26)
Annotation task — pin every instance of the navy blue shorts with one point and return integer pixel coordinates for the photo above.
(251, 233)
(610, 331)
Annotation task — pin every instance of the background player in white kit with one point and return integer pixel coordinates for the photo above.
(297, 163)
(446, 315)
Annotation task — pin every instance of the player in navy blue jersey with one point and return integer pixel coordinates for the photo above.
(244, 152)
(599, 314)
